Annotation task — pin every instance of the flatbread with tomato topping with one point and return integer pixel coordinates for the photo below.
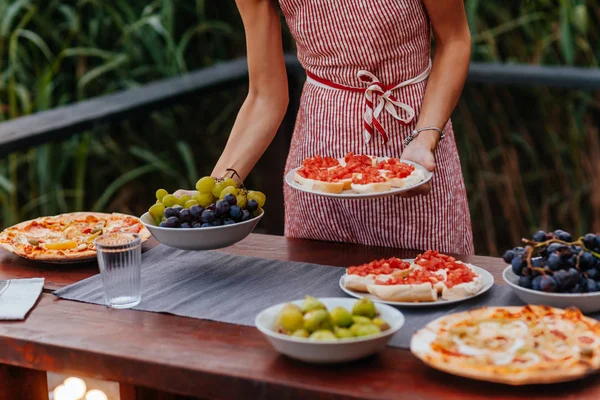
(66, 237)
(512, 345)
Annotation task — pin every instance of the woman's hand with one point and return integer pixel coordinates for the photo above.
(420, 150)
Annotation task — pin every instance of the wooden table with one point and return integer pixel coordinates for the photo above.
(158, 356)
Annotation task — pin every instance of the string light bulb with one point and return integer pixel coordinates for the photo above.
(76, 387)
(96, 394)
(61, 392)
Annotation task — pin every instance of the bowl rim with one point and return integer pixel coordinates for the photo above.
(160, 228)
(545, 294)
(338, 341)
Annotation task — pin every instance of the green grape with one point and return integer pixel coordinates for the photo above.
(365, 308)
(241, 200)
(229, 182)
(358, 320)
(289, 320)
(301, 333)
(204, 199)
(184, 199)
(341, 317)
(170, 200)
(205, 184)
(157, 211)
(218, 188)
(364, 329)
(259, 197)
(310, 303)
(229, 190)
(190, 203)
(381, 324)
(322, 334)
(160, 193)
(343, 333)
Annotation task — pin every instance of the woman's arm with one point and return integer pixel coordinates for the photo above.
(448, 73)
(267, 101)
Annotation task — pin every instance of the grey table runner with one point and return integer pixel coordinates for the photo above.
(234, 289)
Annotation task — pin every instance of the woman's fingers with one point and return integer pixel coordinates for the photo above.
(181, 192)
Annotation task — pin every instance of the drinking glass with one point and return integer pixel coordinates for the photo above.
(119, 258)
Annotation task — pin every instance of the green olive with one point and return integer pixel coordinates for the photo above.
(322, 335)
(311, 304)
(343, 333)
(357, 319)
(341, 317)
(364, 329)
(96, 230)
(33, 242)
(381, 324)
(301, 333)
(289, 320)
(317, 319)
(364, 307)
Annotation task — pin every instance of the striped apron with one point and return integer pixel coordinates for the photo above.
(367, 63)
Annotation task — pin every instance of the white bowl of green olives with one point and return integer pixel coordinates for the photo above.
(329, 330)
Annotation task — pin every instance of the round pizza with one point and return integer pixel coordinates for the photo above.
(430, 277)
(66, 237)
(356, 173)
(512, 345)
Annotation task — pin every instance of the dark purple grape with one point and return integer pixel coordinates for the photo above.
(587, 260)
(185, 215)
(552, 247)
(539, 236)
(251, 205)
(589, 241)
(236, 213)
(591, 286)
(185, 225)
(525, 281)
(212, 207)
(597, 244)
(218, 222)
(519, 250)
(593, 273)
(573, 277)
(228, 221)
(171, 212)
(536, 282)
(172, 222)
(222, 207)
(508, 256)
(562, 235)
(231, 199)
(548, 284)
(197, 225)
(208, 216)
(196, 212)
(537, 262)
(554, 262)
(206, 225)
(518, 264)
(562, 279)
(246, 215)
(575, 289)
(163, 224)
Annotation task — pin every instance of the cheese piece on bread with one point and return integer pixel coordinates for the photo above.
(420, 292)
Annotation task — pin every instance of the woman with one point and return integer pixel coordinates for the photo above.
(370, 85)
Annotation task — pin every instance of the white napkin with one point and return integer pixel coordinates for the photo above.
(17, 296)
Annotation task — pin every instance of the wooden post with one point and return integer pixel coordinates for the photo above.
(18, 383)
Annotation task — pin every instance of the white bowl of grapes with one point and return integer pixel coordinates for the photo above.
(219, 213)
(556, 270)
(329, 330)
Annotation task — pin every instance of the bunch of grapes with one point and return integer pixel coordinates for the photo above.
(553, 262)
(217, 202)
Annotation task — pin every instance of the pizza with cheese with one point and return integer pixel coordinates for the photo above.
(66, 237)
(357, 173)
(430, 277)
(512, 345)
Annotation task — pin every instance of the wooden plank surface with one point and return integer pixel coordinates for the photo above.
(22, 384)
(214, 360)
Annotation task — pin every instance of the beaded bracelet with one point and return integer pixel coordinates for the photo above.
(414, 134)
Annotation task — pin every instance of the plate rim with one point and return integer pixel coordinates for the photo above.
(289, 180)
(437, 303)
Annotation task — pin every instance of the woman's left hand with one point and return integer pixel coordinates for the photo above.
(421, 154)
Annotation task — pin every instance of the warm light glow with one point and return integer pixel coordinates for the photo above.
(76, 387)
(61, 392)
(96, 395)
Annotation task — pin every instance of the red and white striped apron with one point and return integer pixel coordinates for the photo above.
(357, 52)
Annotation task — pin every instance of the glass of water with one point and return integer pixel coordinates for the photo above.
(119, 258)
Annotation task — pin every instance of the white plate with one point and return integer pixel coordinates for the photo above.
(488, 282)
(211, 238)
(329, 351)
(586, 302)
(349, 194)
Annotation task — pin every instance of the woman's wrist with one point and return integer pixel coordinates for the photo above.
(427, 139)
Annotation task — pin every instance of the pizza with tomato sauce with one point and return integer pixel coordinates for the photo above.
(430, 277)
(358, 173)
(512, 345)
(66, 237)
